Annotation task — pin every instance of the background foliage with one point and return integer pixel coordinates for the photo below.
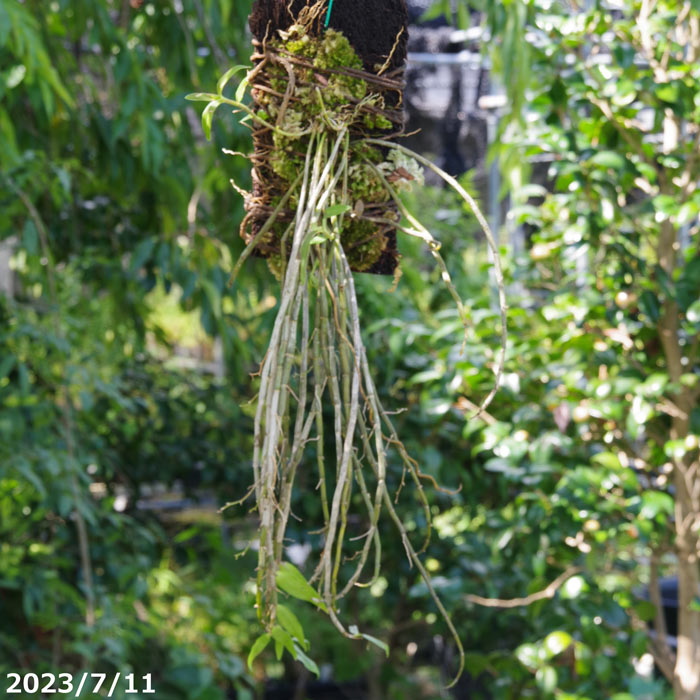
(118, 442)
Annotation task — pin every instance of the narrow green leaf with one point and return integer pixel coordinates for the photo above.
(353, 629)
(201, 97)
(240, 90)
(649, 303)
(207, 116)
(289, 622)
(6, 366)
(292, 582)
(214, 297)
(463, 19)
(141, 254)
(437, 9)
(377, 643)
(28, 473)
(258, 646)
(304, 659)
(30, 238)
(337, 210)
(284, 640)
(223, 80)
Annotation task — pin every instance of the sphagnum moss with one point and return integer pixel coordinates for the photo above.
(338, 189)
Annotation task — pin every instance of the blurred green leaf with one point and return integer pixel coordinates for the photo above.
(291, 624)
(258, 647)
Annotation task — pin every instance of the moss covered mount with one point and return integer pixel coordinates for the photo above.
(312, 83)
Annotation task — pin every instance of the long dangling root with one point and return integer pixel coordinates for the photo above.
(316, 357)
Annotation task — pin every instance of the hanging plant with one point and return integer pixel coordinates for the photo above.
(328, 173)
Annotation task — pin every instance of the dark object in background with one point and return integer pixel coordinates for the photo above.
(371, 26)
(442, 98)
(668, 587)
(376, 30)
(318, 690)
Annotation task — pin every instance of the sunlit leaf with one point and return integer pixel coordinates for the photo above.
(223, 80)
(292, 582)
(547, 679)
(337, 210)
(655, 503)
(556, 642)
(240, 90)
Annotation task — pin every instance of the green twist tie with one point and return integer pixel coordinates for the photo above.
(328, 14)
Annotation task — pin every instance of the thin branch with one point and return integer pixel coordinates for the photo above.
(544, 594)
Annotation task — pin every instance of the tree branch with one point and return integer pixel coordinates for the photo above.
(544, 594)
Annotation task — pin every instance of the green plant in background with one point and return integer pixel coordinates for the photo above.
(624, 203)
(610, 104)
(98, 204)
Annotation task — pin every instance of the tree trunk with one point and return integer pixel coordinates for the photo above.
(686, 682)
(686, 676)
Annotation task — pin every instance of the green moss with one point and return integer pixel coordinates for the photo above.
(285, 166)
(364, 183)
(335, 51)
(276, 265)
(334, 94)
(342, 87)
(365, 151)
(362, 243)
(376, 121)
(303, 46)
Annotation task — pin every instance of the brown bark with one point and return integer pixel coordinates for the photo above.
(686, 676)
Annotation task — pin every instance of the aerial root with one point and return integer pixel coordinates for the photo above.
(317, 357)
